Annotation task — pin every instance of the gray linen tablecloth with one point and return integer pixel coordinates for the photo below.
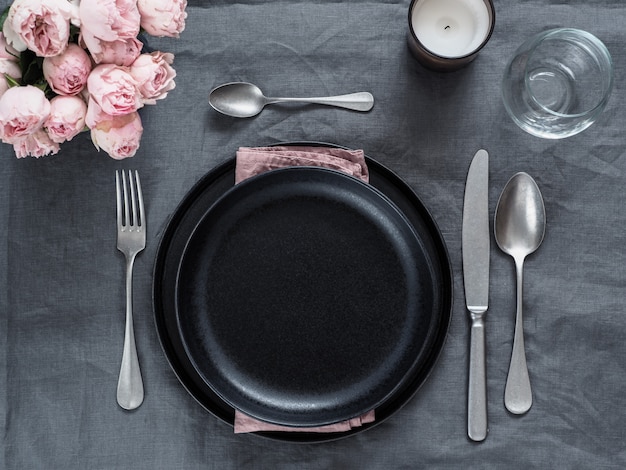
(61, 277)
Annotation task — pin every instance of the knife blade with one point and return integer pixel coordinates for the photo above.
(475, 246)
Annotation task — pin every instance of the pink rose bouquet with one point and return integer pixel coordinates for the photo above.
(118, 136)
(66, 119)
(23, 111)
(154, 75)
(68, 66)
(163, 17)
(67, 72)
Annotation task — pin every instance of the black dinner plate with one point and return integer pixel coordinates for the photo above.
(236, 314)
(305, 297)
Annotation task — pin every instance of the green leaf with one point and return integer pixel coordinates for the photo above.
(32, 67)
(47, 90)
(74, 33)
(11, 81)
(4, 15)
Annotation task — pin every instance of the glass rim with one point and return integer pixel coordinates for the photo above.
(538, 39)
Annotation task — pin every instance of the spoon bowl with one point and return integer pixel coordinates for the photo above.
(519, 226)
(520, 216)
(242, 100)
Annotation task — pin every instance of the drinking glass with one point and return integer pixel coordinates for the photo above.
(558, 82)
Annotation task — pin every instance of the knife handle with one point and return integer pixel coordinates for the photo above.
(477, 391)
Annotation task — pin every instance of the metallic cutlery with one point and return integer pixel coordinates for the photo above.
(519, 227)
(475, 242)
(131, 239)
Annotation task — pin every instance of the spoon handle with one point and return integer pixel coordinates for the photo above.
(517, 393)
(361, 101)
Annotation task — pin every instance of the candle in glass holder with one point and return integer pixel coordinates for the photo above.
(445, 35)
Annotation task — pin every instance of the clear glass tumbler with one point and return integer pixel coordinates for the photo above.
(558, 82)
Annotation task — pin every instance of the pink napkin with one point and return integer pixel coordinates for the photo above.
(244, 423)
(255, 160)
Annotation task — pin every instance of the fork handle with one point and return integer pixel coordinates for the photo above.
(130, 384)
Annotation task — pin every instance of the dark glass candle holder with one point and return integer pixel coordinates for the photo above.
(446, 35)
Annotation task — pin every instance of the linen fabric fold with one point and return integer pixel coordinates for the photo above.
(252, 161)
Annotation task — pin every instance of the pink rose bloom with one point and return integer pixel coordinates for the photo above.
(67, 73)
(163, 17)
(37, 144)
(23, 110)
(67, 118)
(10, 68)
(110, 20)
(95, 115)
(43, 26)
(119, 137)
(75, 12)
(6, 50)
(120, 52)
(154, 76)
(114, 89)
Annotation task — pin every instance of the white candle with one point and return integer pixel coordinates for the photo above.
(451, 28)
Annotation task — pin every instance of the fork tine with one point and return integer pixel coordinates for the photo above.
(118, 194)
(141, 216)
(133, 199)
(126, 208)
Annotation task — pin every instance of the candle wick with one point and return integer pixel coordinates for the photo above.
(447, 27)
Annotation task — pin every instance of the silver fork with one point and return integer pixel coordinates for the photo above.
(131, 239)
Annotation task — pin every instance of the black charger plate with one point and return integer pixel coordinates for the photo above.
(181, 347)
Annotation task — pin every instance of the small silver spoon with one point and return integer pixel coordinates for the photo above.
(241, 99)
(519, 226)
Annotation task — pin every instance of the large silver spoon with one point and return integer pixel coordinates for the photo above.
(519, 225)
(241, 99)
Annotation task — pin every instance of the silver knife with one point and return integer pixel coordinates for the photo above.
(476, 238)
